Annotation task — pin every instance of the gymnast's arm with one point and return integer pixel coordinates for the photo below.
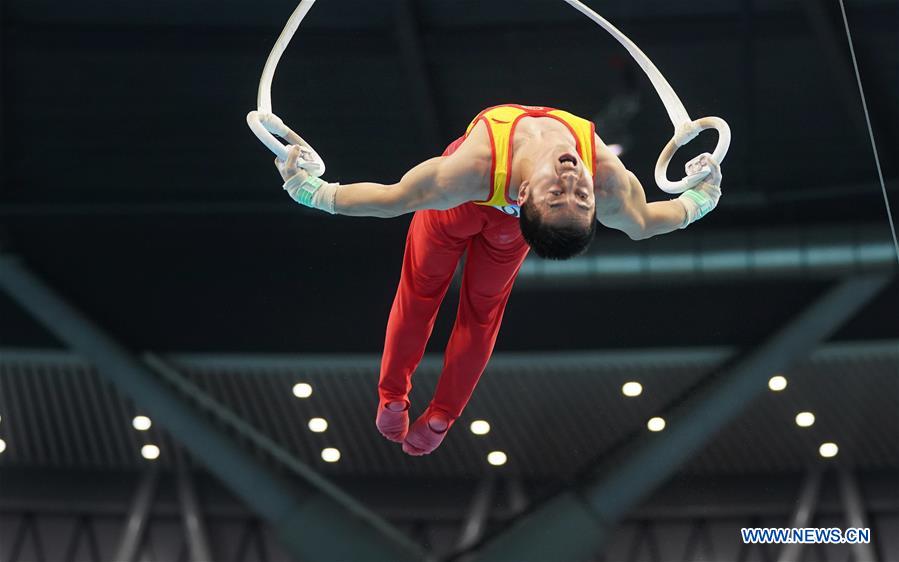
(621, 202)
(433, 184)
(438, 183)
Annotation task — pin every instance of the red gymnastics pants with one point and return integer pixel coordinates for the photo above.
(434, 244)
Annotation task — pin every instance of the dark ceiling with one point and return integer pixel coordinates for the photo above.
(132, 184)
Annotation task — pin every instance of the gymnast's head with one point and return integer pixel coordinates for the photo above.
(558, 208)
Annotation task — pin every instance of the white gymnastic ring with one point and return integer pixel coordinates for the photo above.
(268, 139)
(266, 125)
(683, 136)
(263, 122)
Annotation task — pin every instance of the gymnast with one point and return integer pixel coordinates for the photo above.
(521, 178)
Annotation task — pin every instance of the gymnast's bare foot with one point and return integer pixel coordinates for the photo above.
(393, 419)
(427, 433)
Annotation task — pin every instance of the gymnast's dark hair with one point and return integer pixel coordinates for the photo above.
(554, 242)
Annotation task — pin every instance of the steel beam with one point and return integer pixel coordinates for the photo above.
(802, 514)
(823, 253)
(476, 519)
(191, 514)
(305, 524)
(854, 505)
(574, 524)
(138, 515)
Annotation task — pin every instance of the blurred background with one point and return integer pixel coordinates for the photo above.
(189, 360)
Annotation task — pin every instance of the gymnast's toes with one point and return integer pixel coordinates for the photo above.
(427, 433)
(392, 422)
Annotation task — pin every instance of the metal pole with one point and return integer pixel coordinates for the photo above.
(136, 522)
(518, 498)
(192, 515)
(473, 527)
(802, 515)
(854, 505)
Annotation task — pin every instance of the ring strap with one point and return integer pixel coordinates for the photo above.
(685, 128)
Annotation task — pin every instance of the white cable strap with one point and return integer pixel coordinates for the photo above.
(263, 122)
(685, 129)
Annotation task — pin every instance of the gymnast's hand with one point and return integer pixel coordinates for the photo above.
(703, 198)
(303, 188)
(705, 163)
(290, 167)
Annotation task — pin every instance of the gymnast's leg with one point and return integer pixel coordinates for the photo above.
(434, 244)
(493, 260)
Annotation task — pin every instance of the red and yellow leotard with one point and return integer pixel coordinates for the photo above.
(501, 121)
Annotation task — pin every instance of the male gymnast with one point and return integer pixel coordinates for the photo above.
(521, 178)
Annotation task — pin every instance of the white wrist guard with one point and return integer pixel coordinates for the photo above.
(312, 192)
(699, 201)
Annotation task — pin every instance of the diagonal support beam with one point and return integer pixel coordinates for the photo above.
(306, 524)
(575, 524)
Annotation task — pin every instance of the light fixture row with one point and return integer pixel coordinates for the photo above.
(149, 451)
(777, 383)
(479, 427)
(829, 449)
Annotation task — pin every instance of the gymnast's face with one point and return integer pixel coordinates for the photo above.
(560, 188)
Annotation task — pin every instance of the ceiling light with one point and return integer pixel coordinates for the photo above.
(141, 423)
(480, 427)
(805, 419)
(616, 149)
(150, 452)
(656, 424)
(2, 445)
(330, 454)
(632, 389)
(302, 390)
(318, 425)
(828, 450)
(777, 383)
(497, 458)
